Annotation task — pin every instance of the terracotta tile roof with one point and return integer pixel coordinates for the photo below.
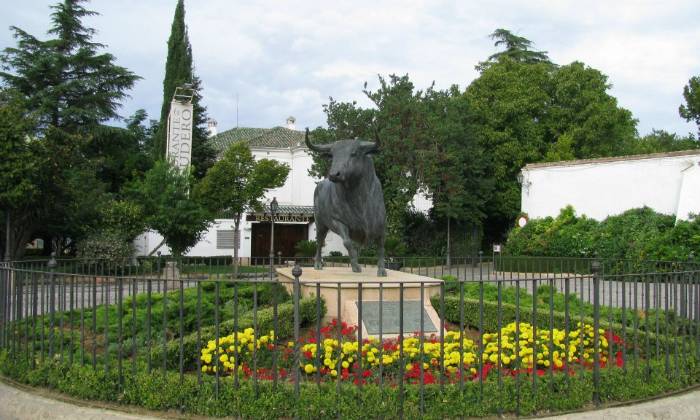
(291, 209)
(277, 137)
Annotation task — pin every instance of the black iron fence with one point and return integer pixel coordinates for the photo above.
(500, 331)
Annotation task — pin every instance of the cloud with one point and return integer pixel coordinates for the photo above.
(287, 58)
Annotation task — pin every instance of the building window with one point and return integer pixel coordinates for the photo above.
(225, 239)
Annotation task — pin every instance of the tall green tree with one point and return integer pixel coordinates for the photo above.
(691, 109)
(119, 154)
(71, 87)
(68, 83)
(516, 48)
(18, 168)
(237, 183)
(179, 70)
(530, 110)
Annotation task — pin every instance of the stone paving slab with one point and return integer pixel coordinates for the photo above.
(18, 404)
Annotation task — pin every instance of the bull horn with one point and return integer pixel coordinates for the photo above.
(318, 148)
(369, 146)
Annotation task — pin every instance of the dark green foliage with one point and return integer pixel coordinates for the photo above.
(22, 159)
(69, 87)
(517, 48)
(179, 70)
(636, 235)
(45, 72)
(305, 249)
(691, 110)
(663, 141)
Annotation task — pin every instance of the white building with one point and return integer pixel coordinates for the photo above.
(669, 183)
(294, 221)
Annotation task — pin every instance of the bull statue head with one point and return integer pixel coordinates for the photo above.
(350, 161)
(350, 201)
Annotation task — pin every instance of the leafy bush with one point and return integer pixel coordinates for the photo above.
(105, 246)
(305, 248)
(635, 235)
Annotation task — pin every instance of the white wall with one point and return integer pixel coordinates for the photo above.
(669, 185)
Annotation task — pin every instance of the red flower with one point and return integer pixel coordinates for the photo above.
(367, 373)
(618, 359)
(485, 370)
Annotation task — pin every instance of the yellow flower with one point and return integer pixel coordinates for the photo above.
(309, 368)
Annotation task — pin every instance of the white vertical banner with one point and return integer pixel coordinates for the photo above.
(179, 149)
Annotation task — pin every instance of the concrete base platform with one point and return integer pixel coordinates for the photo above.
(341, 289)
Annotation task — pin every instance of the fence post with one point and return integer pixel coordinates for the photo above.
(4, 280)
(52, 300)
(595, 270)
(296, 272)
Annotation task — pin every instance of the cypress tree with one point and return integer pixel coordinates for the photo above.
(179, 70)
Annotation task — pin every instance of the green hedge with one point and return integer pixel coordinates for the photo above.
(165, 391)
(577, 307)
(542, 320)
(265, 321)
(632, 238)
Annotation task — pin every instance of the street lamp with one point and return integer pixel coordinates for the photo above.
(273, 210)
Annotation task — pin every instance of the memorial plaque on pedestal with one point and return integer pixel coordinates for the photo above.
(390, 317)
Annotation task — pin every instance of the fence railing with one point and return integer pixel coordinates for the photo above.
(497, 329)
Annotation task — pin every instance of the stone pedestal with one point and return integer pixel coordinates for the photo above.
(340, 288)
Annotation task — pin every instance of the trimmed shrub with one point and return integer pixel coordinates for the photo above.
(635, 236)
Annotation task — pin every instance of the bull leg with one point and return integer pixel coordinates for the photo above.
(350, 246)
(321, 232)
(381, 271)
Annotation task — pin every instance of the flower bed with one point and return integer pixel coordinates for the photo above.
(520, 349)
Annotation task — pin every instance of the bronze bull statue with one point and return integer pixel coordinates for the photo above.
(350, 201)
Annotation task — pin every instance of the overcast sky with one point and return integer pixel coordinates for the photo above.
(285, 58)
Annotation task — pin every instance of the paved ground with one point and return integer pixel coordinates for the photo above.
(680, 407)
(17, 404)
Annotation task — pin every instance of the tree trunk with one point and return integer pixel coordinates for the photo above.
(236, 243)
